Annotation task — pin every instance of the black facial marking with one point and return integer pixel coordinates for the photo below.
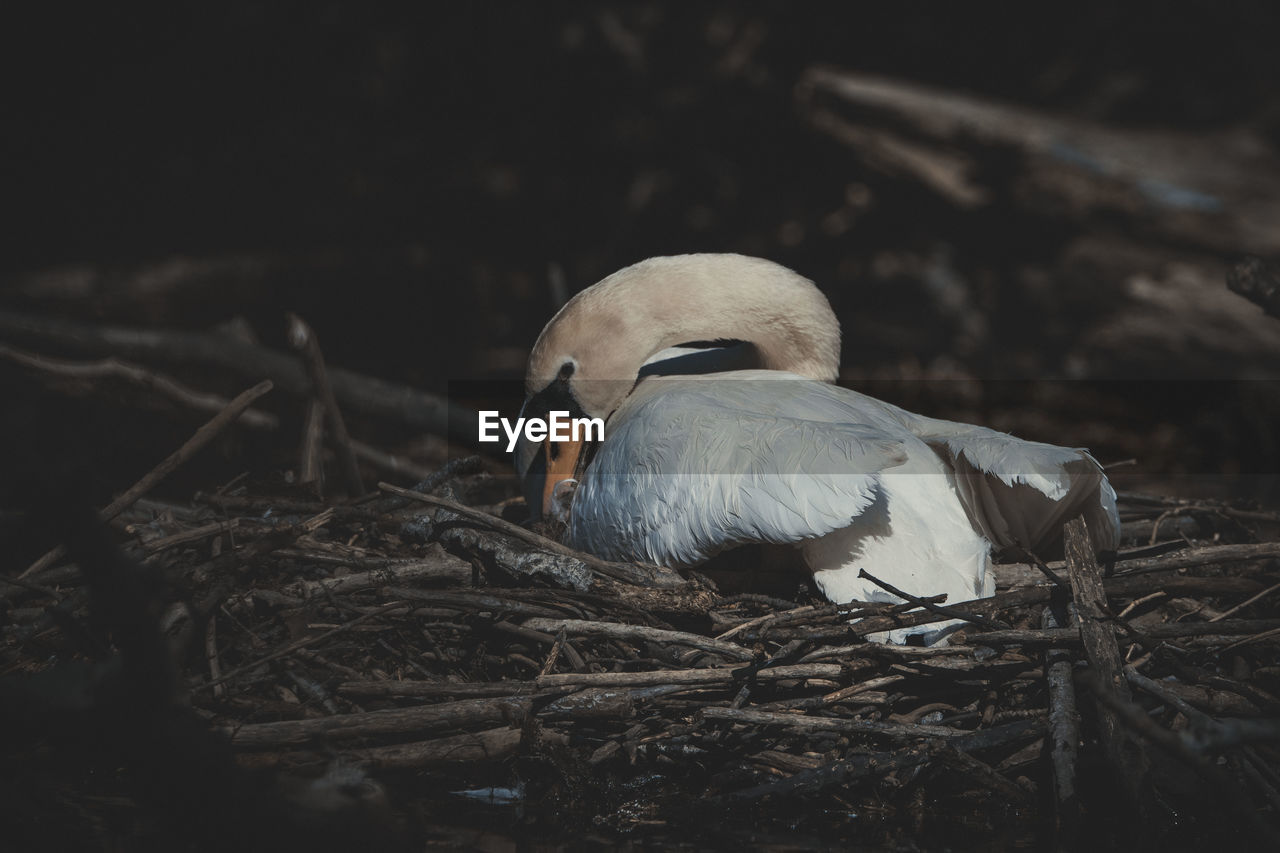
(556, 397)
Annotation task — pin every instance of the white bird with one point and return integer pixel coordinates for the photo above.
(699, 462)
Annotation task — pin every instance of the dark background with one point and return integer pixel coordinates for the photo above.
(425, 182)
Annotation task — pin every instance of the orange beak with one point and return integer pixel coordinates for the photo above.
(562, 464)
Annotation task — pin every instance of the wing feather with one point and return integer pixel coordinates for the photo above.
(695, 465)
(1019, 492)
(692, 467)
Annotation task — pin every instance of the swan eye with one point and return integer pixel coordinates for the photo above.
(566, 370)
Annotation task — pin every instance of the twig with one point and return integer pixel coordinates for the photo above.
(304, 340)
(814, 613)
(1158, 690)
(1126, 755)
(859, 765)
(1222, 786)
(1242, 605)
(492, 745)
(949, 612)
(710, 677)
(355, 391)
(1064, 731)
(302, 643)
(439, 565)
(645, 576)
(193, 445)
(31, 587)
(152, 381)
(1260, 629)
(642, 633)
(1034, 559)
(186, 537)
(1262, 635)
(556, 645)
(798, 722)
(1187, 558)
(984, 774)
(423, 718)
(310, 467)
(211, 655)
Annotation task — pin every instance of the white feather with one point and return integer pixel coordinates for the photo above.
(693, 465)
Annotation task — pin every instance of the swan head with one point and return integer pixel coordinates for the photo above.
(590, 354)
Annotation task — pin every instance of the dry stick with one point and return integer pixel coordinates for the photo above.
(1040, 564)
(1259, 628)
(186, 537)
(639, 575)
(854, 766)
(842, 773)
(1221, 785)
(491, 745)
(556, 645)
(304, 340)
(47, 591)
(357, 392)
(951, 612)
(1188, 558)
(310, 469)
(1219, 699)
(1029, 596)
(1250, 764)
(799, 615)
(1129, 584)
(1167, 696)
(1263, 635)
(1199, 506)
(710, 677)
(806, 611)
(862, 687)
(1138, 602)
(620, 631)
(302, 643)
(171, 388)
(448, 568)
(193, 445)
(1064, 732)
(420, 718)
(1242, 605)
(1193, 557)
(1126, 754)
(797, 722)
(211, 655)
(985, 774)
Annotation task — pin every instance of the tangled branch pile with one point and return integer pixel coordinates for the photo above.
(466, 664)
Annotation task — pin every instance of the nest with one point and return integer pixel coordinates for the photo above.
(434, 667)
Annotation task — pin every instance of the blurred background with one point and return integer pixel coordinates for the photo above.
(1024, 215)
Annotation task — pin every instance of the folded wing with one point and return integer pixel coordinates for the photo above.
(692, 467)
(1019, 493)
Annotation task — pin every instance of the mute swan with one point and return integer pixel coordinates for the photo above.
(695, 463)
